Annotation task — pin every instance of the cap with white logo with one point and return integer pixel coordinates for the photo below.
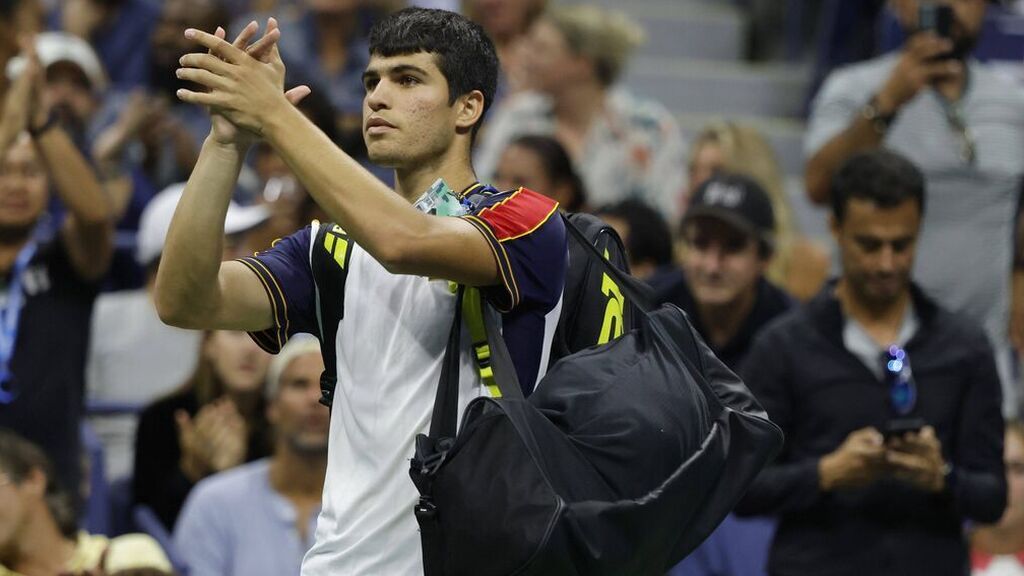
(736, 200)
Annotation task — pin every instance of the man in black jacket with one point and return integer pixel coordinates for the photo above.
(855, 494)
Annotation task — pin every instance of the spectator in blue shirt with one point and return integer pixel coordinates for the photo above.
(258, 519)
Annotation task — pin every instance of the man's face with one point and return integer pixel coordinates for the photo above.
(722, 263)
(69, 94)
(296, 413)
(18, 501)
(876, 247)
(23, 187)
(968, 16)
(407, 119)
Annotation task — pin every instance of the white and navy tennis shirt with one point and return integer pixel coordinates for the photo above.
(390, 345)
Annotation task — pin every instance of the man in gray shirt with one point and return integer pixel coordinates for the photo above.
(963, 125)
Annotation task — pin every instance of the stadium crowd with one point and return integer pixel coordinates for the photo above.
(874, 303)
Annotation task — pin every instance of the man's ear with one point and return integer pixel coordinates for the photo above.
(471, 109)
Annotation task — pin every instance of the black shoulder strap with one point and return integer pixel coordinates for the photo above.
(329, 260)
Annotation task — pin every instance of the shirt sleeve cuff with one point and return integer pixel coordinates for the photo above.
(272, 339)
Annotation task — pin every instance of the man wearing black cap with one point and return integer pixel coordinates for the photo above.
(728, 230)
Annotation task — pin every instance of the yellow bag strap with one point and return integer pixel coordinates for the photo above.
(473, 313)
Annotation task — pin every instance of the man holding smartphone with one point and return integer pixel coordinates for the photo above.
(890, 403)
(963, 125)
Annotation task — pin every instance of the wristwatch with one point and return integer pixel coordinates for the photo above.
(37, 131)
(873, 114)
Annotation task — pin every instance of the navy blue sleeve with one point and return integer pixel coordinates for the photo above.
(287, 277)
(527, 237)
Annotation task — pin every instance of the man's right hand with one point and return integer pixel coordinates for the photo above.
(919, 66)
(265, 50)
(857, 463)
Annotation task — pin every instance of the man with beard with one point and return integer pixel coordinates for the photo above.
(890, 403)
(47, 284)
(963, 125)
(258, 519)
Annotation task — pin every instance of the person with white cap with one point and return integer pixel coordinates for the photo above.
(258, 519)
(133, 356)
(47, 284)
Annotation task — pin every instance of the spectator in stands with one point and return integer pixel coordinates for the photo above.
(798, 265)
(507, 23)
(998, 550)
(729, 232)
(214, 422)
(38, 527)
(50, 281)
(623, 146)
(134, 358)
(153, 131)
(648, 242)
(540, 163)
(259, 519)
(836, 375)
(118, 30)
(963, 124)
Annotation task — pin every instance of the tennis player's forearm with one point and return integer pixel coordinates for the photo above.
(377, 218)
(187, 285)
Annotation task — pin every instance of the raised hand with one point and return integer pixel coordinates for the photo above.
(920, 65)
(18, 108)
(245, 83)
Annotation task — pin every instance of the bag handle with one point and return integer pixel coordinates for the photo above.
(631, 287)
(444, 419)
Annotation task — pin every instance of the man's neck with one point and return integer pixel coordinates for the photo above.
(413, 182)
(881, 321)
(297, 476)
(577, 105)
(41, 550)
(723, 322)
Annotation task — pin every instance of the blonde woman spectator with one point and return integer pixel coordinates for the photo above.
(214, 422)
(623, 146)
(800, 266)
(998, 550)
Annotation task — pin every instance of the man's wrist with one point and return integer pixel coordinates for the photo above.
(880, 113)
(236, 147)
(278, 119)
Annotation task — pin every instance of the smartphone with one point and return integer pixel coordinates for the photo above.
(900, 426)
(935, 17)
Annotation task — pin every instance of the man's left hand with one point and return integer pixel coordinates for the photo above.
(916, 458)
(241, 87)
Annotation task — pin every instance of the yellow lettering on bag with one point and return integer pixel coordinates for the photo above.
(612, 327)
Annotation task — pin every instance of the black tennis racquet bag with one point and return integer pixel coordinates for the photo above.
(624, 459)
